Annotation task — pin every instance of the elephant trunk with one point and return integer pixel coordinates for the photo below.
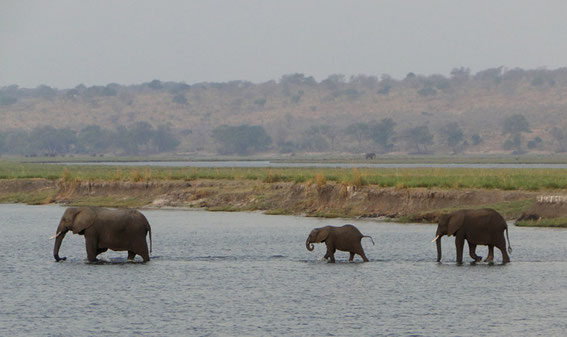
(309, 245)
(438, 241)
(58, 240)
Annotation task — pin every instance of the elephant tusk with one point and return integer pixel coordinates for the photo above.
(437, 237)
(54, 236)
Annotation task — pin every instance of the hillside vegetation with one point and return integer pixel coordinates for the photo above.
(493, 111)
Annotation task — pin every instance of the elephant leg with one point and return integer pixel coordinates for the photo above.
(505, 257)
(472, 253)
(326, 257)
(351, 257)
(331, 253)
(92, 250)
(144, 253)
(363, 256)
(490, 256)
(459, 244)
(131, 255)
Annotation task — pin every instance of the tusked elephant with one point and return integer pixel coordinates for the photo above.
(478, 227)
(103, 228)
(346, 238)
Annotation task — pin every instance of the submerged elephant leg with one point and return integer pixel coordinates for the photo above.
(92, 250)
(472, 253)
(505, 257)
(131, 255)
(490, 256)
(331, 253)
(363, 256)
(351, 257)
(459, 244)
(144, 254)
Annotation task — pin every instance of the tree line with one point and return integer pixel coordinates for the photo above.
(135, 139)
(338, 85)
(383, 137)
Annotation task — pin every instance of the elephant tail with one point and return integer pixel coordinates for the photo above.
(508, 238)
(371, 239)
(150, 231)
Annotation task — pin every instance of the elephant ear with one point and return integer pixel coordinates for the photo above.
(83, 219)
(322, 234)
(455, 223)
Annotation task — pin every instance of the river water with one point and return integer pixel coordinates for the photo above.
(249, 274)
(270, 164)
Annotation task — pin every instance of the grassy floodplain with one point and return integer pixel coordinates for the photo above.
(446, 178)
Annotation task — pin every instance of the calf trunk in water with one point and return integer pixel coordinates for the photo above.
(309, 245)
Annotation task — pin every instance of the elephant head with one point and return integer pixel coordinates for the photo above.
(449, 224)
(74, 219)
(317, 235)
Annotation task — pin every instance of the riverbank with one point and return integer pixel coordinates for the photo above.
(318, 198)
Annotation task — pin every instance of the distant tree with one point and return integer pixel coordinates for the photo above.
(93, 139)
(313, 139)
(242, 140)
(514, 126)
(334, 82)
(7, 100)
(155, 84)
(109, 90)
(558, 139)
(298, 79)
(418, 138)
(141, 133)
(260, 102)
(460, 75)
(51, 141)
(535, 143)
(476, 139)
(179, 99)
(369, 82)
(452, 135)
(358, 131)
(122, 139)
(381, 133)
(428, 90)
(386, 84)
(489, 76)
(331, 132)
(164, 140)
(16, 142)
(44, 91)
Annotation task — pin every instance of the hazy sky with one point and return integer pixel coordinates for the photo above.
(64, 43)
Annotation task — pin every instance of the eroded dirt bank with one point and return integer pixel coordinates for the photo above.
(328, 200)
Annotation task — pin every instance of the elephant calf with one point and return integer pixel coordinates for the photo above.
(116, 229)
(346, 238)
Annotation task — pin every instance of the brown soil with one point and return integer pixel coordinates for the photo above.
(329, 200)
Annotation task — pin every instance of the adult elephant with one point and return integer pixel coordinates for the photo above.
(346, 238)
(103, 228)
(478, 227)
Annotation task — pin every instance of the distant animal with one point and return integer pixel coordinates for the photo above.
(103, 228)
(346, 238)
(371, 155)
(477, 227)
